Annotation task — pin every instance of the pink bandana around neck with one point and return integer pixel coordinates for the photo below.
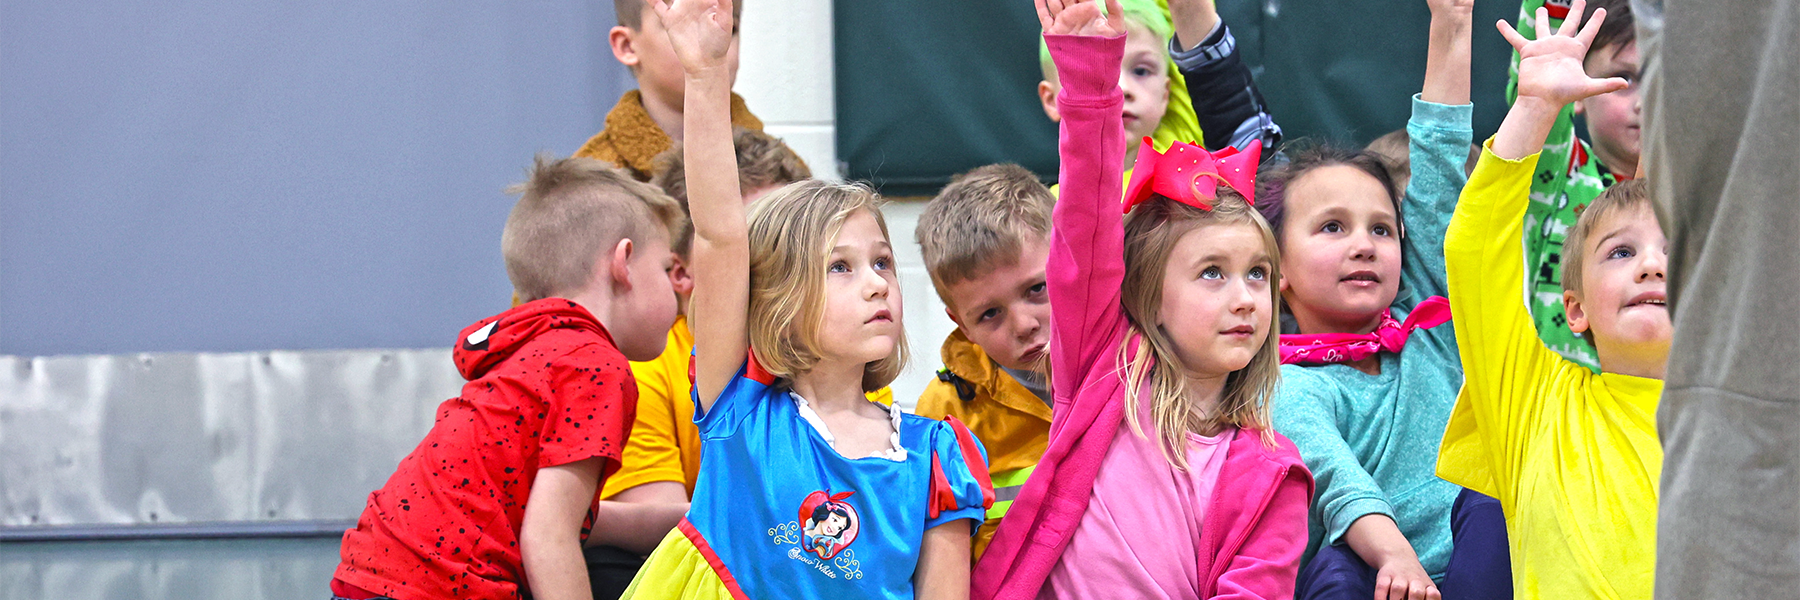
(1390, 335)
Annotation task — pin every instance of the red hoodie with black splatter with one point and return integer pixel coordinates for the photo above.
(547, 387)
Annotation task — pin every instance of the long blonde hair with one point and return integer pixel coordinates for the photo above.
(791, 234)
(1148, 355)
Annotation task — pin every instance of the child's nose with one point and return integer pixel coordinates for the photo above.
(1025, 324)
(1364, 248)
(874, 284)
(1655, 266)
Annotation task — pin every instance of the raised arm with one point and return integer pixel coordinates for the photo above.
(1230, 109)
(1503, 360)
(1087, 247)
(1439, 134)
(1550, 77)
(700, 32)
(1447, 52)
(1194, 20)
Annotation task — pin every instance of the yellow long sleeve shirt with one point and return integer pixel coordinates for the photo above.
(1573, 456)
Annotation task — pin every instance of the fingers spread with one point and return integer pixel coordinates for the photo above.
(1586, 37)
(1573, 20)
(1512, 35)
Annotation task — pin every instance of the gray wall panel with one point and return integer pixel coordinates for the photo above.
(217, 176)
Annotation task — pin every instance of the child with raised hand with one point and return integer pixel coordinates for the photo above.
(1371, 374)
(1156, 104)
(1162, 478)
(806, 489)
(1227, 105)
(1572, 455)
(644, 500)
(1574, 171)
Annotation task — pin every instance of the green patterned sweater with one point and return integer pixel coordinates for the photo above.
(1569, 177)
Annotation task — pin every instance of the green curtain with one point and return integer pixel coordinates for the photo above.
(927, 89)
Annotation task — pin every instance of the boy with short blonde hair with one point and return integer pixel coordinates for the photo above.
(499, 496)
(985, 240)
(647, 120)
(1572, 455)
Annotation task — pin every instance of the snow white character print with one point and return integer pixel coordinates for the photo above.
(829, 524)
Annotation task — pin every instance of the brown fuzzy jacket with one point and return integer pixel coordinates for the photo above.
(631, 140)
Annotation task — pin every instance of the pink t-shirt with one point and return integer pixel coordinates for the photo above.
(1140, 537)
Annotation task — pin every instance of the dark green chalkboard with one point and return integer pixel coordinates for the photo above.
(930, 88)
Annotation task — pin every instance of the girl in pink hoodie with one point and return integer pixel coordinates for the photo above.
(1163, 324)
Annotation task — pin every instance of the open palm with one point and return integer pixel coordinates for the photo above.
(1080, 17)
(699, 31)
(1550, 66)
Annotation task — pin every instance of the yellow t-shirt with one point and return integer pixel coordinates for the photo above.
(1573, 456)
(665, 443)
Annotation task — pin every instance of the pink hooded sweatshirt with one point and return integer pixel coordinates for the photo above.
(1255, 529)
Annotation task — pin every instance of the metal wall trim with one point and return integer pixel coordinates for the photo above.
(264, 441)
(178, 531)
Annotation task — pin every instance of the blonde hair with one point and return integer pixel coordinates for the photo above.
(569, 211)
(763, 161)
(792, 231)
(1621, 197)
(1148, 356)
(981, 220)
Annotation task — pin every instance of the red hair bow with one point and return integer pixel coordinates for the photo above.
(1190, 175)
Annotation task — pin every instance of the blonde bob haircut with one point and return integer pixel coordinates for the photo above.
(792, 231)
(1148, 356)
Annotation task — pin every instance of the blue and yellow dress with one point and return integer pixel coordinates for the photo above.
(778, 513)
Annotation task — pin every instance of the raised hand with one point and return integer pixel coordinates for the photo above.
(1081, 17)
(699, 31)
(1550, 66)
(1449, 7)
(1448, 55)
(1193, 20)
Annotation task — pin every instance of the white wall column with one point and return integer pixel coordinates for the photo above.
(786, 76)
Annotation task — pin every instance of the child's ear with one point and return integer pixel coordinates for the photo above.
(1572, 310)
(954, 319)
(1047, 95)
(680, 278)
(623, 43)
(619, 263)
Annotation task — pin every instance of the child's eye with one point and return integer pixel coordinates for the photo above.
(987, 314)
(1212, 273)
(1621, 252)
(1039, 289)
(1332, 227)
(1258, 274)
(1142, 71)
(1383, 230)
(884, 263)
(840, 267)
